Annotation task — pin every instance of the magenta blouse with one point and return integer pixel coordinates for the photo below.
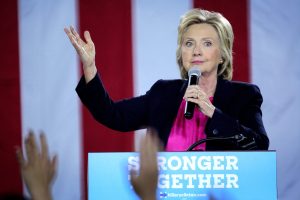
(185, 132)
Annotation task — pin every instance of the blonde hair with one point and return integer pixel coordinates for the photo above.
(224, 31)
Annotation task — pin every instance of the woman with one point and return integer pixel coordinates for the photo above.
(226, 109)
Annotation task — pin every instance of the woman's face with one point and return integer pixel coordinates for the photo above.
(201, 47)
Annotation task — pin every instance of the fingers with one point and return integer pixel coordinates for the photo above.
(145, 183)
(44, 146)
(133, 176)
(54, 162)
(201, 101)
(74, 32)
(196, 95)
(134, 180)
(31, 147)
(20, 157)
(143, 152)
(67, 31)
(150, 144)
(74, 38)
(204, 105)
(148, 153)
(32, 150)
(87, 37)
(53, 167)
(70, 35)
(194, 91)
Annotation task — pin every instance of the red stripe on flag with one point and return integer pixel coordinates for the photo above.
(237, 12)
(109, 22)
(10, 114)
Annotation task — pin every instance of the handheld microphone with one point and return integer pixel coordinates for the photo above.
(194, 74)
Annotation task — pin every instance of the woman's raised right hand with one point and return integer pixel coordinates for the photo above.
(85, 50)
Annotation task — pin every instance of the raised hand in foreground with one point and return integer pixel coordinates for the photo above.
(145, 183)
(38, 170)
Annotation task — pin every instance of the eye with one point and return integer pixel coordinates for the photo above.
(207, 43)
(188, 43)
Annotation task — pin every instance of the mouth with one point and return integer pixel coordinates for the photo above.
(197, 62)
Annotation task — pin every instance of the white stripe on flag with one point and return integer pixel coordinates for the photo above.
(49, 73)
(275, 52)
(154, 42)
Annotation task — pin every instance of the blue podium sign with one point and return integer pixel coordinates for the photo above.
(188, 175)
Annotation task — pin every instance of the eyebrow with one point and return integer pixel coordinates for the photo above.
(205, 38)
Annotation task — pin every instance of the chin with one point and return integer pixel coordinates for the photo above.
(194, 65)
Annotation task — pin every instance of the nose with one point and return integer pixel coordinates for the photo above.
(197, 50)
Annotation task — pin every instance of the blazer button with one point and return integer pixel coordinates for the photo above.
(215, 132)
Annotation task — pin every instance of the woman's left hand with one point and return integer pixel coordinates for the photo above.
(196, 95)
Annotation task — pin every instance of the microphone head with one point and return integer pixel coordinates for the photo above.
(194, 71)
(194, 74)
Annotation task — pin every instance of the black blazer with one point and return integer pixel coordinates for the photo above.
(237, 111)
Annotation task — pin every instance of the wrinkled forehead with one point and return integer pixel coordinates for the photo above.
(200, 31)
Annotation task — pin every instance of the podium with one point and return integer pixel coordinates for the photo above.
(188, 175)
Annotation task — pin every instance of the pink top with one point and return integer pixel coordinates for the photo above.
(185, 132)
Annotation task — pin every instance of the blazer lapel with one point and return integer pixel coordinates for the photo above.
(223, 94)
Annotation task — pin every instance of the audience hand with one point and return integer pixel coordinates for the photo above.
(145, 183)
(38, 171)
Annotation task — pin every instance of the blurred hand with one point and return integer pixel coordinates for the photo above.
(196, 95)
(85, 50)
(38, 171)
(145, 183)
